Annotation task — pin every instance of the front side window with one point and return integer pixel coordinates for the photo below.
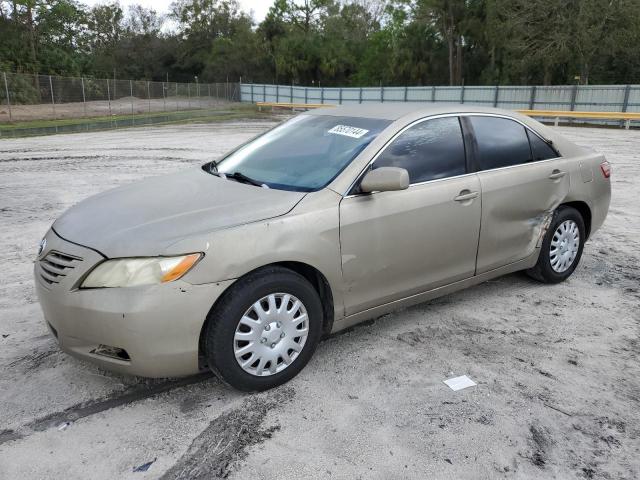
(501, 142)
(304, 153)
(430, 150)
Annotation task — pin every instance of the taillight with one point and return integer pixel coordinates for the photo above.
(605, 168)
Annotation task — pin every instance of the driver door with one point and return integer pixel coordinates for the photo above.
(399, 243)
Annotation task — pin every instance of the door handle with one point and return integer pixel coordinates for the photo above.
(466, 195)
(557, 174)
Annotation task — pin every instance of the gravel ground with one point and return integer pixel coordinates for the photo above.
(557, 367)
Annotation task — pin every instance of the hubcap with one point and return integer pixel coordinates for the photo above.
(271, 334)
(564, 246)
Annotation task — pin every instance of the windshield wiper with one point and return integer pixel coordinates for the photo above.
(241, 177)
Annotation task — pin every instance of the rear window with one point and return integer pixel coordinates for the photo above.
(501, 142)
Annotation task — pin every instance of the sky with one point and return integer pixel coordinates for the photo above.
(259, 7)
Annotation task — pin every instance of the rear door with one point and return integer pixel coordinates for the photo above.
(396, 244)
(522, 181)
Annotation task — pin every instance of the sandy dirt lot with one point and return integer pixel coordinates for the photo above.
(557, 367)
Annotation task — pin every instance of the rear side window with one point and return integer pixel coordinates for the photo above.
(430, 150)
(540, 149)
(501, 142)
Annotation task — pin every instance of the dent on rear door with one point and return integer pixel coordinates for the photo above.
(517, 205)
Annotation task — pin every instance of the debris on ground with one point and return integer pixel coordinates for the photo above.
(145, 466)
(458, 383)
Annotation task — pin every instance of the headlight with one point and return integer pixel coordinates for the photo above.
(133, 272)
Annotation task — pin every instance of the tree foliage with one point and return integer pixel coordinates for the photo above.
(330, 42)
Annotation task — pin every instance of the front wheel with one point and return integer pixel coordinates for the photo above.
(561, 248)
(264, 330)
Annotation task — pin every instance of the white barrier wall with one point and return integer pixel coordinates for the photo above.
(609, 98)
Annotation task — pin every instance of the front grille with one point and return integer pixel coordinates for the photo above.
(56, 265)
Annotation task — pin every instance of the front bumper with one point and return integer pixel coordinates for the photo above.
(158, 326)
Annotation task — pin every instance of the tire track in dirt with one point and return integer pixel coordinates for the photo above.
(224, 443)
(92, 407)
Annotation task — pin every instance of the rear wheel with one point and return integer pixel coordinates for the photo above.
(561, 248)
(264, 330)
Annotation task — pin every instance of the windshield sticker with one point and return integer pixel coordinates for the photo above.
(347, 131)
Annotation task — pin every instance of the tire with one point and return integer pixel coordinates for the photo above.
(240, 313)
(556, 266)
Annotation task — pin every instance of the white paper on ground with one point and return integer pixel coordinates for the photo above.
(458, 383)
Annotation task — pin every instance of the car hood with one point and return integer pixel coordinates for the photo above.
(146, 217)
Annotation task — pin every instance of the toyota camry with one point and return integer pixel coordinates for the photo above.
(333, 217)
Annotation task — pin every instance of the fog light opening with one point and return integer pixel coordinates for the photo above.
(112, 352)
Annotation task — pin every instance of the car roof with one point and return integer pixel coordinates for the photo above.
(395, 111)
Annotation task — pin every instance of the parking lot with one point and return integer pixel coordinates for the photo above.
(557, 367)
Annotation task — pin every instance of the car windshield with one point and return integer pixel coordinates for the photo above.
(303, 154)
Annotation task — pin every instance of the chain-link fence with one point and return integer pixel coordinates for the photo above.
(43, 97)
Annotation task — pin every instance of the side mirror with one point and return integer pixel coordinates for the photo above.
(385, 179)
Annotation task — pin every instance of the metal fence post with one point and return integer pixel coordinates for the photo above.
(574, 94)
(252, 93)
(306, 95)
(360, 96)
(84, 99)
(532, 98)
(340, 96)
(148, 96)
(133, 115)
(462, 93)
(433, 94)
(109, 98)
(6, 89)
(406, 92)
(381, 93)
(496, 95)
(277, 94)
(164, 98)
(264, 92)
(188, 96)
(291, 93)
(53, 102)
(322, 95)
(131, 94)
(625, 102)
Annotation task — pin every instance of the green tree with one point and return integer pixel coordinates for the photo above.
(335, 42)
(200, 23)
